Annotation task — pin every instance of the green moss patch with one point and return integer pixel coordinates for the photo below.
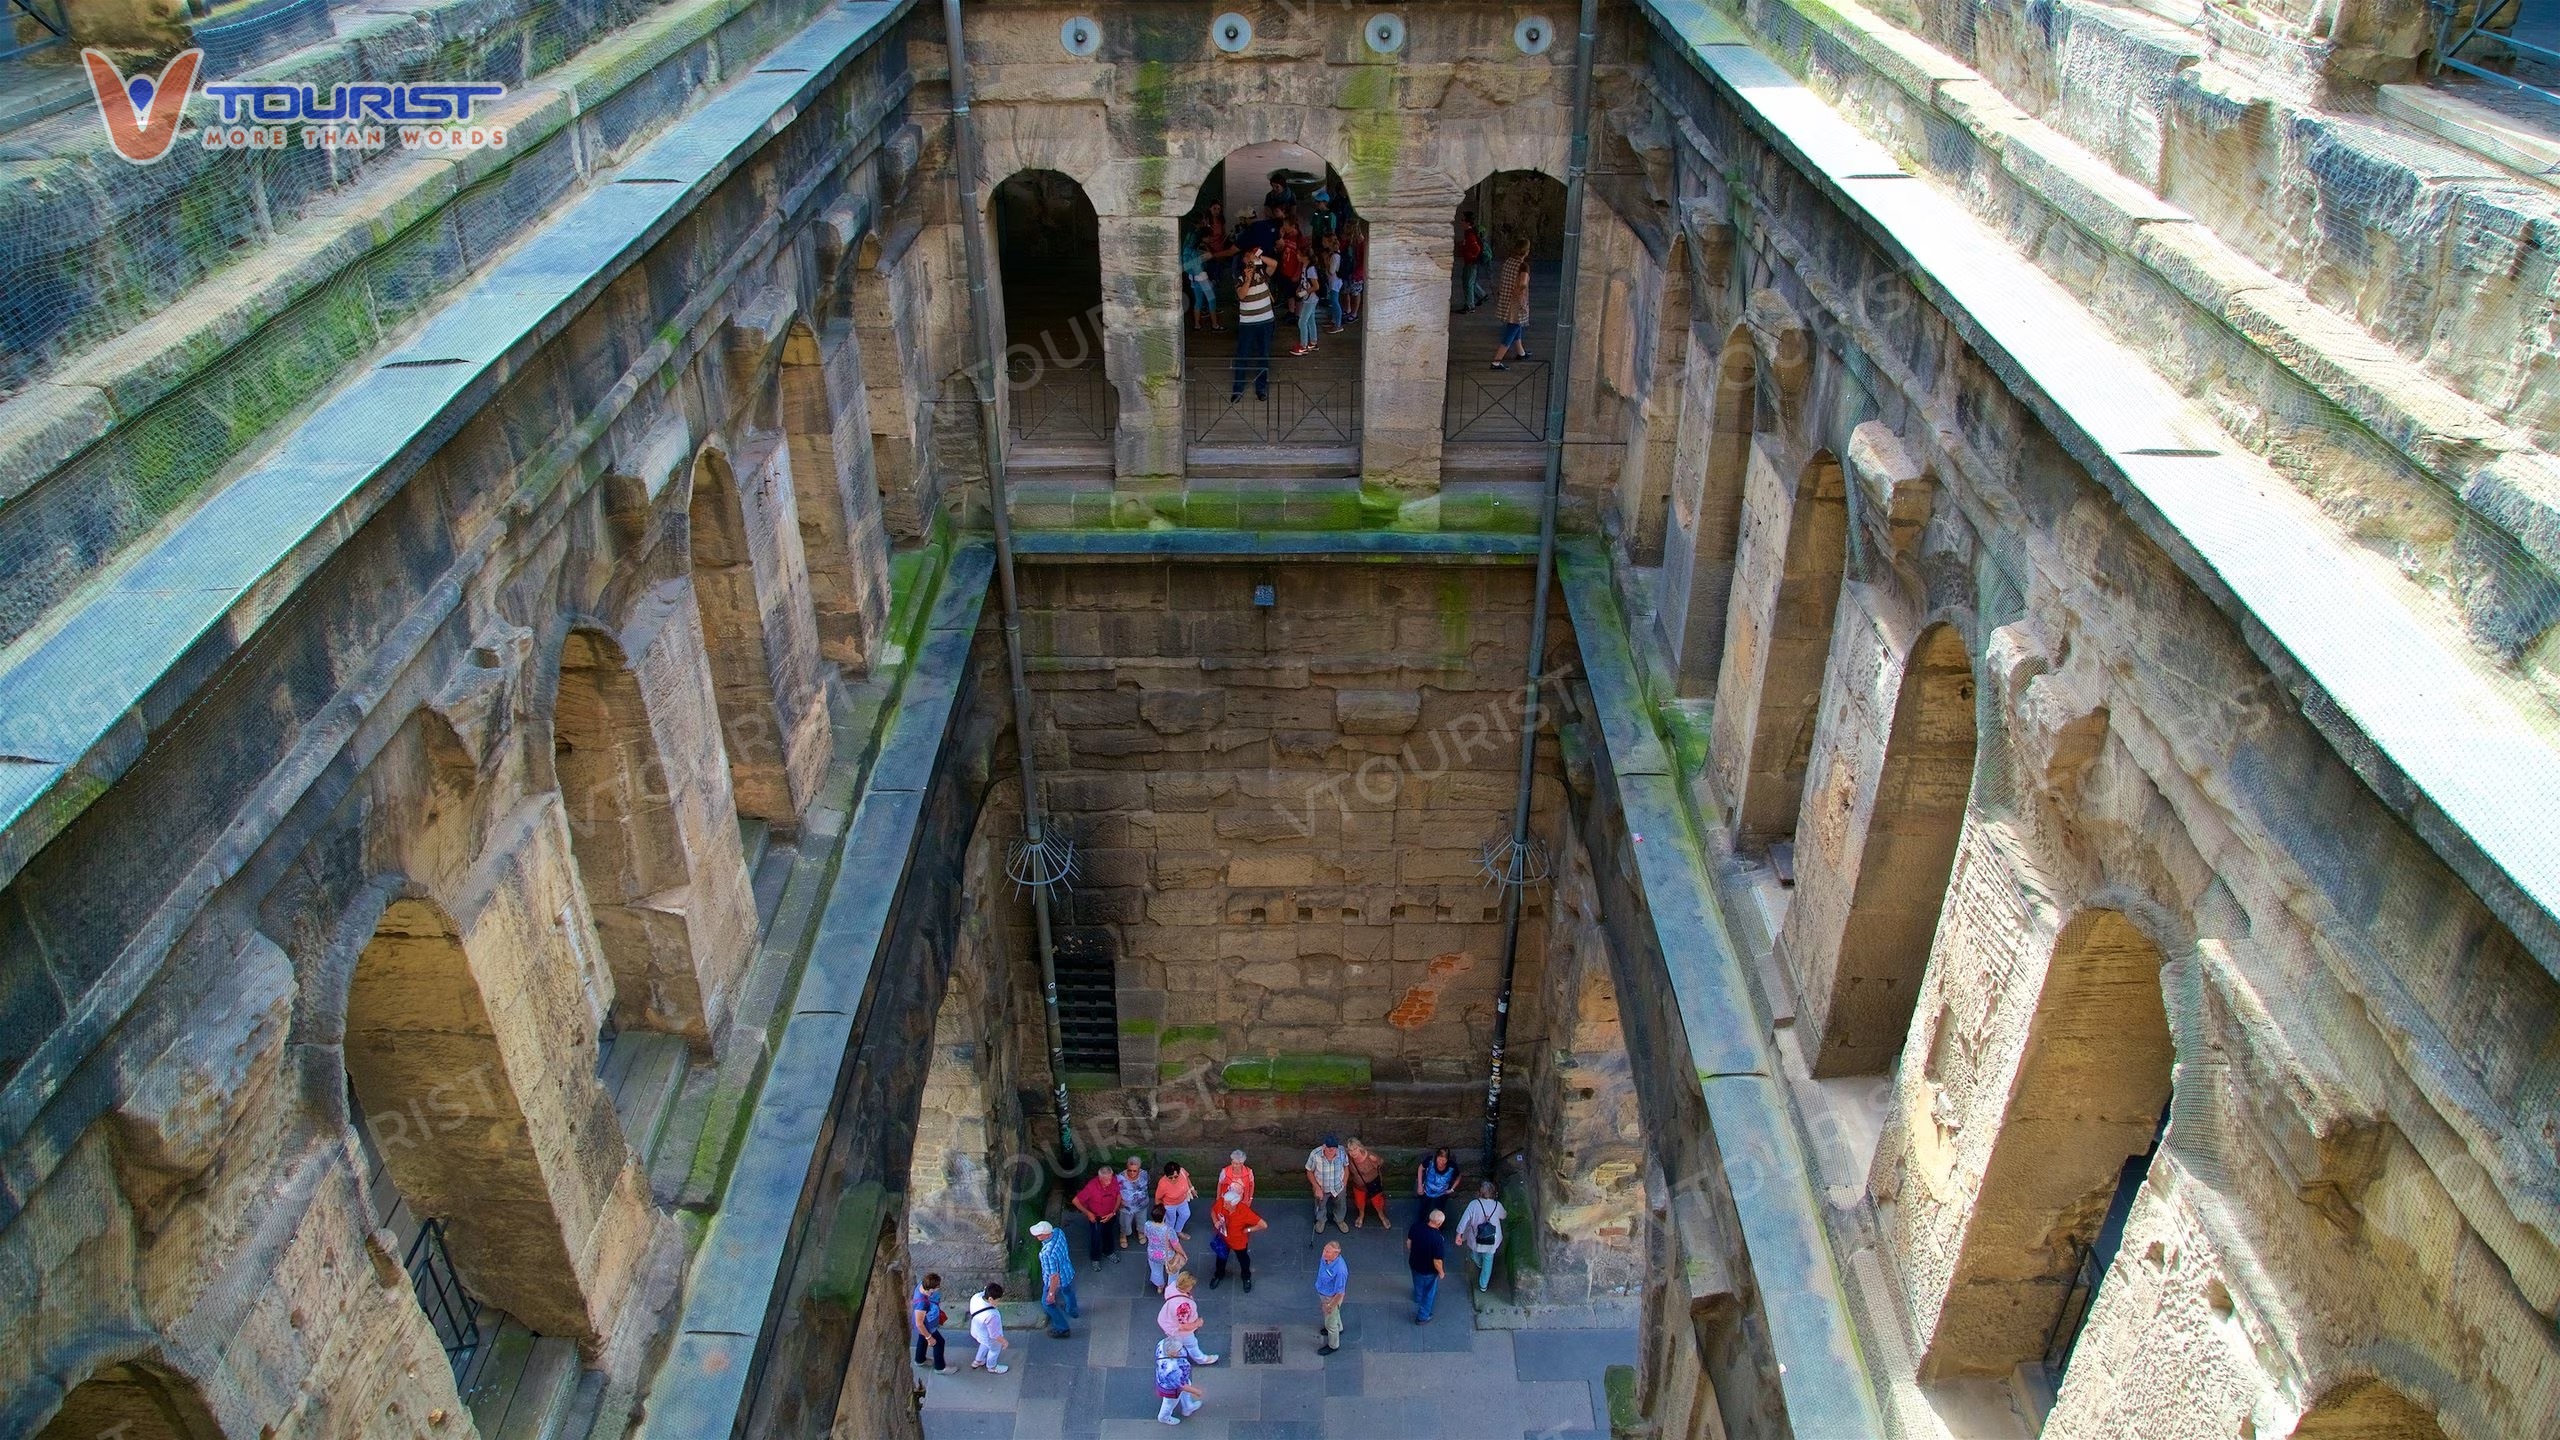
(1289, 1074)
(1620, 1383)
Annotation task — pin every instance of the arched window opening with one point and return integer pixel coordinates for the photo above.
(1061, 407)
(1277, 398)
(1903, 868)
(1506, 243)
(2087, 1112)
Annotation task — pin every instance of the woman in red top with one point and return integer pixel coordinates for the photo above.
(1099, 1203)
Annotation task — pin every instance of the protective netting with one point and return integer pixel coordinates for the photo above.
(159, 316)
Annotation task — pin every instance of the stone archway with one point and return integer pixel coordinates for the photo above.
(1494, 422)
(1296, 417)
(826, 432)
(1705, 526)
(1860, 1011)
(2367, 1409)
(470, 1064)
(132, 1401)
(1060, 408)
(667, 884)
(751, 585)
(2085, 1113)
(1790, 562)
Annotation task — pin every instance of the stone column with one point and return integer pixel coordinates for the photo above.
(1404, 377)
(716, 904)
(1142, 347)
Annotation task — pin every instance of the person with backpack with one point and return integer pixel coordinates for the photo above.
(924, 1315)
(1471, 260)
(1480, 1230)
(986, 1326)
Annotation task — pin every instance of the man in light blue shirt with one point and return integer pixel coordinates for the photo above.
(1057, 1280)
(1333, 1281)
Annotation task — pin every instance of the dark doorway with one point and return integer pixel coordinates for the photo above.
(1049, 265)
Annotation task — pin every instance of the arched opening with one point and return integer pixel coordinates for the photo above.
(750, 585)
(1661, 373)
(451, 1165)
(1049, 265)
(1903, 868)
(1261, 401)
(1507, 233)
(131, 1401)
(1706, 520)
(2367, 1409)
(839, 530)
(2086, 1113)
(622, 829)
(1784, 698)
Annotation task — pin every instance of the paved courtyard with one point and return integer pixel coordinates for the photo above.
(1447, 1380)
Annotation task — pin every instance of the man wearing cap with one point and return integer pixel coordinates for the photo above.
(1328, 1171)
(1057, 1280)
(1236, 1224)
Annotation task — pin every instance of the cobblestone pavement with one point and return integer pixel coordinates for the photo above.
(1392, 1379)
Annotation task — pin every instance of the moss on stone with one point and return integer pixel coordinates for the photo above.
(1619, 1381)
(1086, 1082)
(1138, 1027)
(1297, 1071)
(844, 1272)
(1179, 1034)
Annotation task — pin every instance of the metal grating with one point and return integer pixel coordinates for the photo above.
(1262, 1347)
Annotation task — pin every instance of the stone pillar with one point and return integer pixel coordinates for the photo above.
(1142, 306)
(1404, 376)
(715, 904)
(968, 1117)
(1588, 1154)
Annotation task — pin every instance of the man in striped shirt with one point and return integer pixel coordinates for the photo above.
(1511, 305)
(1254, 323)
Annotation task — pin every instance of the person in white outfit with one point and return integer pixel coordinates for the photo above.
(986, 1326)
(1480, 1230)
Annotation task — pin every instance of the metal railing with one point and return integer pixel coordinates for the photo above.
(1488, 404)
(1308, 414)
(2077, 1296)
(1056, 404)
(450, 1308)
(49, 19)
(2461, 26)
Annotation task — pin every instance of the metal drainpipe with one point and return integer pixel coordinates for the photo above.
(1560, 383)
(964, 143)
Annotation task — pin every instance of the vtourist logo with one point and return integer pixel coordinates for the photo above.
(142, 115)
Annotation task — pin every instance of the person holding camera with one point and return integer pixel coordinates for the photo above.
(1254, 323)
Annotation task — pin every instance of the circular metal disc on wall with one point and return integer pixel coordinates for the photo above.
(1534, 35)
(1231, 32)
(1384, 32)
(1081, 36)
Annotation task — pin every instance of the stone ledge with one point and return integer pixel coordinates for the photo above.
(2466, 754)
(2432, 426)
(80, 700)
(165, 397)
(701, 1389)
(1823, 1375)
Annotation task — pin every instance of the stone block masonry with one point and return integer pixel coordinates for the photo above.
(1282, 810)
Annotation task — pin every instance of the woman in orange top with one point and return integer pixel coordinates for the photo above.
(1237, 1175)
(1173, 1192)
